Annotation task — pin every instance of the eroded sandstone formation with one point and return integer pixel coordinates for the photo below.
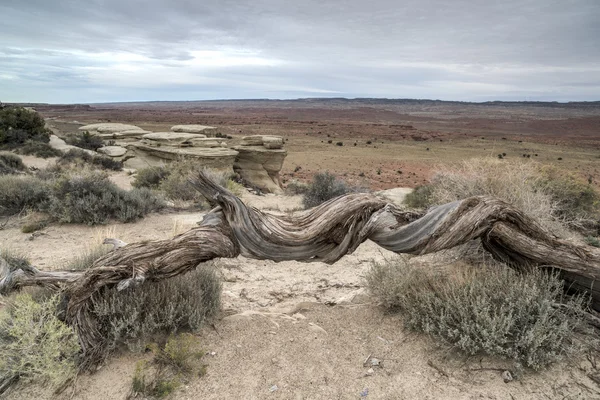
(259, 161)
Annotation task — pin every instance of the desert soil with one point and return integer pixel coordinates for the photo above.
(304, 331)
(294, 330)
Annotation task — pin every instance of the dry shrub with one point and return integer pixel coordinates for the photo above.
(18, 192)
(556, 199)
(134, 316)
(34, 344)
(495, 311)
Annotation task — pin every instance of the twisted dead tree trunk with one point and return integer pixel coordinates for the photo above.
(324, 233)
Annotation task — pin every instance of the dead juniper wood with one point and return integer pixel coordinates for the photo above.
(325, 233)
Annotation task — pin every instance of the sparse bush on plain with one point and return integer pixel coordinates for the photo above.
(80, 157)
(324, 186)
(18, 193)
(38, 149)
(11, 163)
(34, 344)
(134, 316)
(495, 311)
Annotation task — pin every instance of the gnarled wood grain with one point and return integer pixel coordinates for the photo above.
(324, 233)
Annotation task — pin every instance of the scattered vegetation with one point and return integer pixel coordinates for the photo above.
(10, 163)
(81, 158)
(87, 197)
(592, 241)
(172, 181)
(34, 344)
(495, 311)
(323, 187)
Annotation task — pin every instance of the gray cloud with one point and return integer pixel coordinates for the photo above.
(112, 50)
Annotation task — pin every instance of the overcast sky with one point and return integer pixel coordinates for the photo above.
(67, 51)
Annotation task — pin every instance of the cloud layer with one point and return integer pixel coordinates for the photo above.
(124, 50)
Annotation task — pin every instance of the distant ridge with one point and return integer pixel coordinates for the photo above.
(332, 100)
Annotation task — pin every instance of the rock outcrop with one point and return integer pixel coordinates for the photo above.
(113, 151)
(208, 152)
(259, 161)
(206, 130)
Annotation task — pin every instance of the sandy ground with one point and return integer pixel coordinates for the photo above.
(296, 330)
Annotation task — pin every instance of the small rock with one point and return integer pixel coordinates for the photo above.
(375, 362)
(316, 328)
(370, 371)
(507, 376)
(273, 388)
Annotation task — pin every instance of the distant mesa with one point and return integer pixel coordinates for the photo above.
(204, 129)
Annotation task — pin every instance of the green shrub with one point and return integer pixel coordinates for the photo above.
(323, 187)
(85, 140)
(10, 163)
(38, 149)
(34, 344)
(80, 157)
(495, 311)
(133, 316)
(90, 198)
(20, 192)
(151, 177)
(18, 124)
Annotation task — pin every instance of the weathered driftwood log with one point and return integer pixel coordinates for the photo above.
(324, 233)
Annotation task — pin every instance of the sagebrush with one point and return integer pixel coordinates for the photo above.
(495, 311)
(183, 302)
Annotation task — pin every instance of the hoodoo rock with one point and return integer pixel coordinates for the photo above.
(260, 160)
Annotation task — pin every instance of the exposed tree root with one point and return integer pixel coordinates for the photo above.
(324, 233)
